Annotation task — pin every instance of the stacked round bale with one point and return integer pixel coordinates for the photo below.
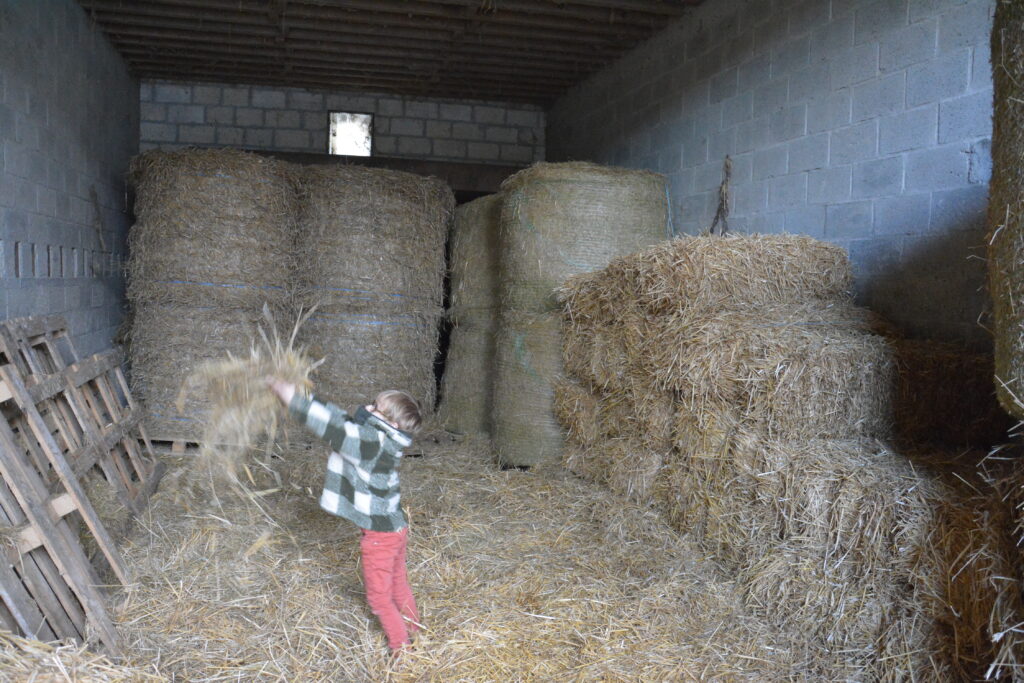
(211, 246)
(467, 385)
(557, 220)
(371, 260)
(731, 383)
(1006, 205)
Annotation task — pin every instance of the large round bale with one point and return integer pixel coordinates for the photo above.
(371, 259)
(214, 227)
(168, 343)
(468, 383)
(366, 353)
(473, 310)
(371, 239)
(473, 259)
(1006, 205)
(528, 363)
(796, 371)
(563, 219)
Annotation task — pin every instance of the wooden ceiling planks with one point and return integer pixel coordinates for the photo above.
(511, 50)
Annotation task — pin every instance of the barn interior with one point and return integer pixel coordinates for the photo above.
(710, 308)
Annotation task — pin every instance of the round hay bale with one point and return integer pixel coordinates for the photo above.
(473, 259)
(1006, 205)
(563, 219)
(468, 377)
(371, 259)
(371, 239)
(473, 266)
(528, 362)
(168, 344)
(368, 353)
(214, 227)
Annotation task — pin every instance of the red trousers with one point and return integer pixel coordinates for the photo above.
(387, 587)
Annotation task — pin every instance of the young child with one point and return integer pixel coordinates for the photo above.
(362, 486)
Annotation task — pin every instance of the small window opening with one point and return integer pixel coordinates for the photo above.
(351, 134)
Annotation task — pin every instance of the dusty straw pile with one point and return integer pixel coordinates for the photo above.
(557, 220)
(1006, 204)
(743, 399)
(28, 660)
(520, 576)
(473, 312)
(211, 246)
(242, 408)
(371, 260)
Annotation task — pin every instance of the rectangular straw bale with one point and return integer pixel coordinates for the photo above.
(711, 272)
(577, 409)
(906, 570)
(800, 371)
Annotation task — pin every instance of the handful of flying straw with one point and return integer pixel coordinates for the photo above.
(242, 407)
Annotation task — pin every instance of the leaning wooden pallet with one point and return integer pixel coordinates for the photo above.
(93, 404)
(63, 417)
(70, 599)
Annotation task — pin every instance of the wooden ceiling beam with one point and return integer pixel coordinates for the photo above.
(640, 13)
(351, 37)
(568, 16)
(456, 70)
(155, 47)
(113, 22)
(673, 8)
(160, 38)
(379, 12)
(496, 91)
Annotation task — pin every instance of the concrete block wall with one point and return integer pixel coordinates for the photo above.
(68, 128)
(295, 120)
(863, 122)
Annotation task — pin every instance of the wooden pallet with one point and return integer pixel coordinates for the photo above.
(83, 401)
(63, 417)
(174, 446)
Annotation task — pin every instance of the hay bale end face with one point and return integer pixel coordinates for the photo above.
(560, 220)
(557, 221)
(371, 259)
(214, 228)
(467, 385)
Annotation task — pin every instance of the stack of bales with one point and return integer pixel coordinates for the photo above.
(473, 312)
(371, 260)
(1006, 205)
(212, 244)
(557, 220)
(731, 383)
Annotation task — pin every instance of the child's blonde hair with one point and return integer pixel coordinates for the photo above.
(399, 408)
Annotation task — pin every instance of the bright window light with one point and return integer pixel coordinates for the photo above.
(351, 134)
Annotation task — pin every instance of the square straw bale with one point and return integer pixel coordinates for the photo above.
(801, 371)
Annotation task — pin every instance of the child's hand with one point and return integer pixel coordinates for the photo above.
(284, 390)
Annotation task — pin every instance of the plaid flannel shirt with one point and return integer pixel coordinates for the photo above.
(362, 470)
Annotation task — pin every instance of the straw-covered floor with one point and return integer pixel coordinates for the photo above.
(521, 576)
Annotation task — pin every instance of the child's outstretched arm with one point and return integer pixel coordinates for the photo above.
(326, 420)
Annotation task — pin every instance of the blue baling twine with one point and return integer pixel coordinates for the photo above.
(217, 284)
